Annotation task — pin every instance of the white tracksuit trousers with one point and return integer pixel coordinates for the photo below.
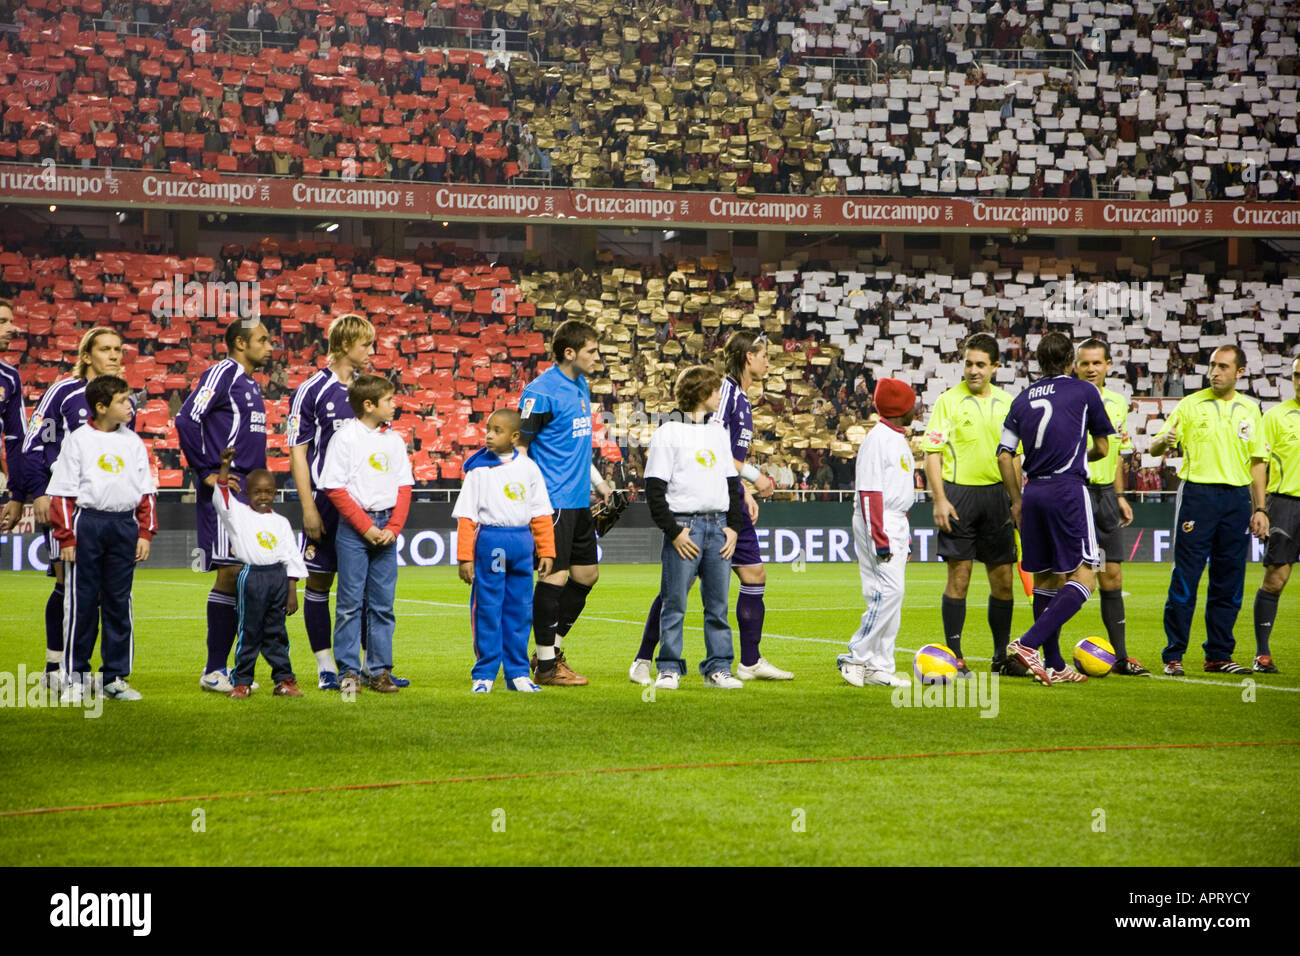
(872, 644)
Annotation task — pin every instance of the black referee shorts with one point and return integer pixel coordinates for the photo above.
(1283, 530)
(575, 538)
(1106, 519)
(984, 532)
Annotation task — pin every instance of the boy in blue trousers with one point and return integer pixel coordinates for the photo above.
(502, 511)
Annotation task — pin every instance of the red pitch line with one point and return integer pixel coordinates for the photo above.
(723, 764)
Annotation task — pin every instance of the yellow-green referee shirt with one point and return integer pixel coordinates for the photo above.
(967, 428)
(1217, 437)
(1103, 472)
(1277, 441)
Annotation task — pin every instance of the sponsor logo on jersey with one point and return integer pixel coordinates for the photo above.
(266, 540)
(34, 426)
(934, 438)
(1245, 430)
(379, 461)
(706, 458)
(514, 491)
(111, 464)
(581, 426)
(294, 422)
(527, 408)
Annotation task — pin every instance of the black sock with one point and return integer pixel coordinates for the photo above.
(546, 613)
(573, 598)
(1265, 615)
(1112, 615)
(954, 619)
(1000, 612)
(54, 625)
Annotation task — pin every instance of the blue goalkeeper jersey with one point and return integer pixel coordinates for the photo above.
(556, 424)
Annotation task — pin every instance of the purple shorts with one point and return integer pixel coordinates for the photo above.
(213, 540)
(746, 553)
(1057, 531)
(319, 555)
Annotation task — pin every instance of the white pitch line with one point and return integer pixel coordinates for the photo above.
(787, 637)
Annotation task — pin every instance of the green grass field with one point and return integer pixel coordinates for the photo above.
(599, 775)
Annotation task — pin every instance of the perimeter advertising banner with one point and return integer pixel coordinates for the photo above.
(422, 546)
(208, 190)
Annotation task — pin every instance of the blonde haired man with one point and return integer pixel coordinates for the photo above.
(320, 408)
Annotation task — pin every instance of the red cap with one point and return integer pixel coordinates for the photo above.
(893, 398)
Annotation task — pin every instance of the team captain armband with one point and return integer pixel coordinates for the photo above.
(1010, 442)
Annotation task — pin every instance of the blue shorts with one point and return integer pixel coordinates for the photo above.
(319, 556)
(746, 554)
(214, 542)
(1057, 531)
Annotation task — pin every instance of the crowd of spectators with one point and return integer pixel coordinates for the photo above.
(1031, 98)
(462, 335)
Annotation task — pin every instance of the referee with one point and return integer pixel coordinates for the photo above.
(1276, 456)
(971, 507)
(1110, 511)
(1216, 428)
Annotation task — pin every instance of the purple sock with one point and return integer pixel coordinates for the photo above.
(749, 615)
(1042, 598)
(54, 625)
(222, 619)
(1045, 632)
(650, 636)
(316, 617)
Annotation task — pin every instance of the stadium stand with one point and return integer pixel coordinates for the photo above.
(463, 336)
(1180, 101)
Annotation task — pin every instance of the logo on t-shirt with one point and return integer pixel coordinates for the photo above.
(902, 461)
(1245, 430)
(266, 540)
(706, 458)
(514, 491)
(379, 461)
(294, 422)
(111, 464)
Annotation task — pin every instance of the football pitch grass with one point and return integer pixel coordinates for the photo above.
(1201, 771)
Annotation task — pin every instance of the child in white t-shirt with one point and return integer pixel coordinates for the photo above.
(367, 475)
(502, 511)
(696, 499)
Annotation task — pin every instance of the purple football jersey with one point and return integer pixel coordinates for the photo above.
(1052, 419)
(225, 410)
(319, 408)
(735, 412)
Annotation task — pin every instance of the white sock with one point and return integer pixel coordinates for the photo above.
(53, 657)
(558, 641)
(545, 652)
(325, 661)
